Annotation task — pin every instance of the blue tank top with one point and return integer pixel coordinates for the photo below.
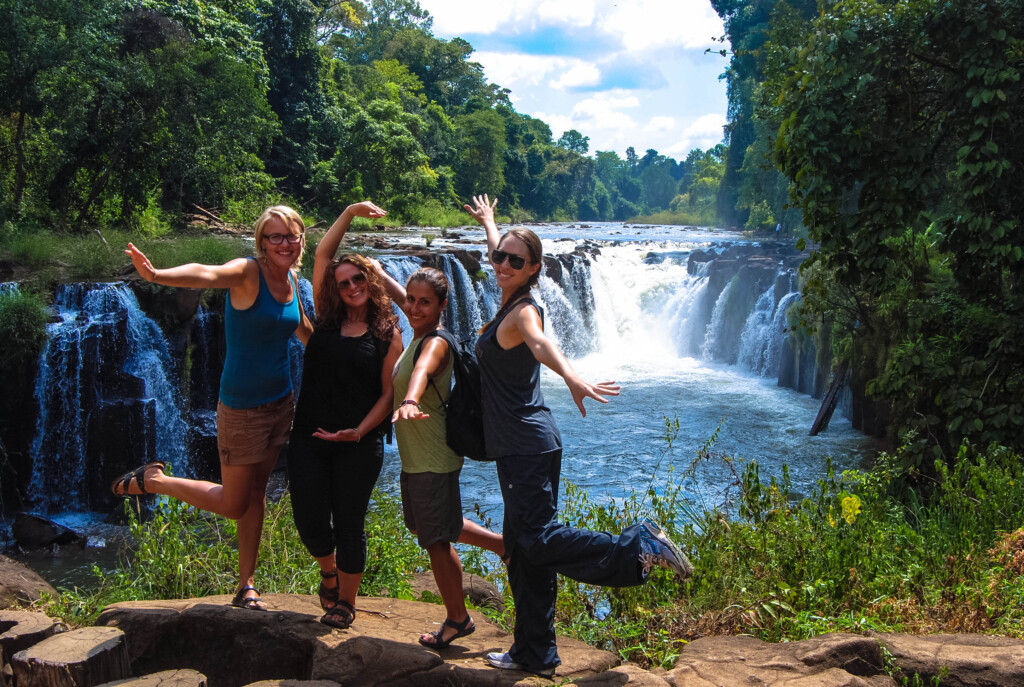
(516, 421)
(257, 368)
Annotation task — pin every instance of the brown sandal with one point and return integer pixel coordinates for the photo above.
(340, 615)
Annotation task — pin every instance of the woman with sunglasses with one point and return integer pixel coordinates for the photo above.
(521, 435)
(431, 500)
(336, 452)
(254, 414)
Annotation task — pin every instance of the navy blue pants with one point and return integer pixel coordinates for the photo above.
(541, 547)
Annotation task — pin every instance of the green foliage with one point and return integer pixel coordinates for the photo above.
(182, 552)
(23, 318)
(913, 210)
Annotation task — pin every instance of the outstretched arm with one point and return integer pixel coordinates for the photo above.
(527, 319)
(192, 275)
(430, 362)
(328, 245)
(483, 212)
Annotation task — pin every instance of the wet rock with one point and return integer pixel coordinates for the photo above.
(36, 532)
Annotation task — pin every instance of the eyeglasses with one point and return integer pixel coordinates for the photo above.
(516, 262)
(278, 239)
(357, 279)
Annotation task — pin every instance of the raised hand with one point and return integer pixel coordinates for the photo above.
(142, 264)
(366, 209)
(482, 209)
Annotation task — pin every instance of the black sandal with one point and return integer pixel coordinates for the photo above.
(249, 603)
(340, 615)
(328, 595)
(139, 475)
(462, 629)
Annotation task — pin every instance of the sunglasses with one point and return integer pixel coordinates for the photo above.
(516, 262)
(357, 279)
(278, 239)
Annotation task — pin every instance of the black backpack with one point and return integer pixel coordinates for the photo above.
(464, 421)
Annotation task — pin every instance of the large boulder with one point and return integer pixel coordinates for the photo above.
(235, 647)
(480, 591)
(21, 585)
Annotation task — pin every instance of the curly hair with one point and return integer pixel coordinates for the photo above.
(380, 316)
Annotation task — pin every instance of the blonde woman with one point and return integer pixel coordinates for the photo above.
(254, 414)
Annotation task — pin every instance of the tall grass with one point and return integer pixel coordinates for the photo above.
(181, 552)
(865, 550)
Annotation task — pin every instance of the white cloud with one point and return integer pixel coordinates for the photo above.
(579, 74)
(661, 123)
(645, 25)
(567, 12)
(518, 70)
(633, 25)
(704, 132)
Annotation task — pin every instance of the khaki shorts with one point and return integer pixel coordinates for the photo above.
(244, 435)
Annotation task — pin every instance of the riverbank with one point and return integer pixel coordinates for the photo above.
(866, 552)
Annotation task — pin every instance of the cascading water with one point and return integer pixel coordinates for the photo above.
(104, 390)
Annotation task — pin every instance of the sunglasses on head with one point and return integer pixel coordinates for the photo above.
(278, 239)
(516, 262)
(357, 279)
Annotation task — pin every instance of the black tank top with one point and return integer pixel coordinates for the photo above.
(516, 421)
(340, 380)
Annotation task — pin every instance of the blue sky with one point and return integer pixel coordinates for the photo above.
(623, 72)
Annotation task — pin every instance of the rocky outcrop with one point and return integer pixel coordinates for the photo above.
(195, 642)
(19, 584)
(958, 660)
(235, 647)
(830, 660)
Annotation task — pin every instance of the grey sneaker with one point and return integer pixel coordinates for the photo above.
(505, 662)
(657, 549)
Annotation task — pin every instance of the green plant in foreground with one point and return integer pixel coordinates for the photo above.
(23, 318)
(182, 552)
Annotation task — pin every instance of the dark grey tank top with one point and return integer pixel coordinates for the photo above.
(516, 421)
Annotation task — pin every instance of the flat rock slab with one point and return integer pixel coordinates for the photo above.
(959, 660)
(235, 647)
(834, 660)
(165, 678)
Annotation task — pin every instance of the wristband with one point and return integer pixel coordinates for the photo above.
(410, 402)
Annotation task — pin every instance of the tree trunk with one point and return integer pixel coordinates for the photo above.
(81, 658)
(20, 173)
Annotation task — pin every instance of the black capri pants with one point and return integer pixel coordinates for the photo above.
(331, 484)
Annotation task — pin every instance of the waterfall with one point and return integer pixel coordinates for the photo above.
(105, 395)
(711, 348)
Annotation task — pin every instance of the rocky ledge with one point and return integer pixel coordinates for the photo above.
(198, 642)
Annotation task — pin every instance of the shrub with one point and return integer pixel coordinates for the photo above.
(23, 318)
